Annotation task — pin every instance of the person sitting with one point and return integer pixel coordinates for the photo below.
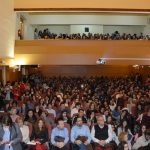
(60, 136)
(146, 118)
(123, 137)
(10, 135)
(75, 110)
(66, 117)
(123, 146)
(143, 140)
(101, 134)
(80, 114)
(14, 114)
(25, 132)
(40, 134)
(51, 110)
(80, 136)
(30, 117)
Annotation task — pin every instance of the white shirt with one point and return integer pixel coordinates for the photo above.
(141, 141)
(74, 111)
(25, 133)
(97, 140)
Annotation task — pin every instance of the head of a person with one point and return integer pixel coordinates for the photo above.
(30, 113)
(147, 134)
(124, 123)
(60, 123)
(123, 146)
(64, 114)
(6, 121)
(49, 106)
(100, 120)
(78, 105)
(19, 121)
(123, 137)
(79, 121)
(14, 104)
(81, 112)
(40, 123)
(148, 113)
(13, 111)
(92, 106)
(62, 105)
(109, 119)
(143, 129)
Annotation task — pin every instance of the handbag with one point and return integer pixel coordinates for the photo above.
(59, 139)
(40, 147)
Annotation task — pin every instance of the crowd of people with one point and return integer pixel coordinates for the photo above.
(46, 34)
(75, 113)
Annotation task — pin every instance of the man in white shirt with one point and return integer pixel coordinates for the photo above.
(101, 135)
(24, 130)
(75, 109)
(50, 110)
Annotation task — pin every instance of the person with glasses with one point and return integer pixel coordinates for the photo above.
(80, 136)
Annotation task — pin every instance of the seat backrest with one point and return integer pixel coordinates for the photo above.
(48, 126)
(30, 128)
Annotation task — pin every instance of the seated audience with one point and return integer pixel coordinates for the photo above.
(30, 117)
(60, 136)
(40, 134)
(143, 140)
(25, 132)
(81, 115)
(14, 114)
(80, 135)
(51, 110)
(123, 137)
(10, 135)
(101, 135)
(123, 146)
(66, 117)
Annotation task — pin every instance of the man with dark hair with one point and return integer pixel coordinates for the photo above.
(60, 136)
(81, 115)
(80, 135)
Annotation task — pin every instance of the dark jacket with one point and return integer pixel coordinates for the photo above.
(16, 137)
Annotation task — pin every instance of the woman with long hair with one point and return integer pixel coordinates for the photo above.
(123, 146)
(10, 135)
(40, 134)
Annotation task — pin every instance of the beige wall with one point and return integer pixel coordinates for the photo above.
(82, 52)
(127, 4)
(7, 29)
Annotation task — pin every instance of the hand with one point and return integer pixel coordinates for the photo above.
(102, 142)
(61, 144)
(78, 142)
(3, 142)
(86, 142)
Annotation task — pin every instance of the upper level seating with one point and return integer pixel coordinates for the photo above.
(46, 34)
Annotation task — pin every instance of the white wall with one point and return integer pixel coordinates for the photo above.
(28, 28)
(7, 28)
(56, 28)
(81, 29)
(124, 29)
(88, 19)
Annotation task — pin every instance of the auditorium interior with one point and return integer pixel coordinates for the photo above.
(74, 75)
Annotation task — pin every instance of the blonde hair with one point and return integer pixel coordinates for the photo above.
(121, 136)
(18, 119)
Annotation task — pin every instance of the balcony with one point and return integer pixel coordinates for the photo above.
(83, 52)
